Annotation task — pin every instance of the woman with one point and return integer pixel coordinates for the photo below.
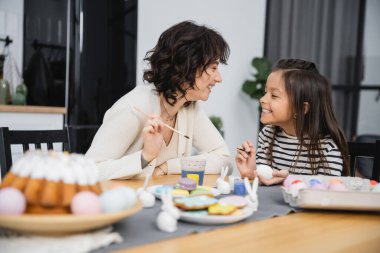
(133, 139)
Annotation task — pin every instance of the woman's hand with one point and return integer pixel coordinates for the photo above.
(246, 160)
(278, 177)
(153, 139)
(161, 170)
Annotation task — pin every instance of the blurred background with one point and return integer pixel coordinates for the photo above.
(83, 55)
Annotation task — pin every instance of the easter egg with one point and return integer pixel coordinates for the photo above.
(373, 183)
(318, 187)
(12, 201)
(288, 180)
(376, 188)
(118, 199)
(130, 194)
(85, 203)
(296, 186)
(337, 187)
(264, 171)
(314, 181)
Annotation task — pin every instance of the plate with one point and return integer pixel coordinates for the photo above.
(63, 224)
(152, 189)
(216, 219)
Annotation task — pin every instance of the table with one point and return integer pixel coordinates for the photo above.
(309, 231)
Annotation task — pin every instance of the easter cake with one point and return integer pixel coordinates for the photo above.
(49, 181)
(331, 192)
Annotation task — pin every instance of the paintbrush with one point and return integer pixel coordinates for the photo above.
(173, 129)
(242, 149)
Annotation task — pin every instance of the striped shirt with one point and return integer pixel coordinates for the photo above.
(286, 155)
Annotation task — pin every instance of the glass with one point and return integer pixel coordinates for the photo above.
(193, 168)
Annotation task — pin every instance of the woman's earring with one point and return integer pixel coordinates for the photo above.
(295, 116)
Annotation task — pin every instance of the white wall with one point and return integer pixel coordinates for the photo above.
(11, 24)
(242, 24)
(369, 110)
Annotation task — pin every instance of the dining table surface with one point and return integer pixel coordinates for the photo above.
(319, 231)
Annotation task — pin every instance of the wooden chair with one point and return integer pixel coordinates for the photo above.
(25, 138)
(362, 149)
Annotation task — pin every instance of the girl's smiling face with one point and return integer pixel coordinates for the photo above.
(204, 82)
(275, 104)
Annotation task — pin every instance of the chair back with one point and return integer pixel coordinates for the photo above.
(365, 149)
(26, 138)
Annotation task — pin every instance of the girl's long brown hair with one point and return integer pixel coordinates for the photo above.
(303, 83)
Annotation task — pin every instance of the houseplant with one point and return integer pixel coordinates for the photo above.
(218, 123)
(256, 88)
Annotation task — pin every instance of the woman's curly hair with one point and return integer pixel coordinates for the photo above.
(182, 51)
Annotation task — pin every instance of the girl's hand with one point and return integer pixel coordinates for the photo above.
(153, 139)
(278, 177)
(246, 160)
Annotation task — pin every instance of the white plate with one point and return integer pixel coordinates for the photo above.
(216, 219)
(152, 189)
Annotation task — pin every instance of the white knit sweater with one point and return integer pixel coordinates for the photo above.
(118, 143)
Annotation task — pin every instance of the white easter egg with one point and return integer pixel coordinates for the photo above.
(265, 171)
(130, 194)
(117, 199)
(294, 188)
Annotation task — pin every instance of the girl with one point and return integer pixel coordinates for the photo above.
(301, 135)
(183, 69)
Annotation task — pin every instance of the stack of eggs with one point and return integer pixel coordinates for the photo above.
(293, 184)
(57, 183)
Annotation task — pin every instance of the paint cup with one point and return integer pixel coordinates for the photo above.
(194, 168)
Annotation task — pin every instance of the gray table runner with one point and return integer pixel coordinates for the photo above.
(141, 228)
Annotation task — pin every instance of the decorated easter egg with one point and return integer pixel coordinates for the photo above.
(12, 201)
(318, 187)
(373, 183)
(376, 188)
(296, 186)
(288, 180)
(335, 181)
(118, 199)
(130, 194)
(314, 181)
(264, 171)
(337, 187)
(316, 184)
(85, 203)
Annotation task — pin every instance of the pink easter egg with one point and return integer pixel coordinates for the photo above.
(86, 203)
(289, 179)
(337, 187)
(12, 201)
(335, 181)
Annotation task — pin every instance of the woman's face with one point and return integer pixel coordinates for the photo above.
(204, 83)
(275, 104)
